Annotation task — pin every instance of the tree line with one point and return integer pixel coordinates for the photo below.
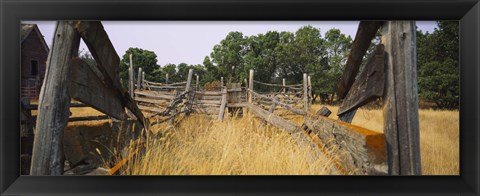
(275, 55)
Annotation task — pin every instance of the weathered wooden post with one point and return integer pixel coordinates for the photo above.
(143, 79)
(139, 78)
(197, 84)
(305, 92)
(54, 101)
(166, 78)
(250, 86)
(189, 80)
(221, 112)
(283, 84)
(221, 81)
(310, 90)
(130, 77)
(400, 108)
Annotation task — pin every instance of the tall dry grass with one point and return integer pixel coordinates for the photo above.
(201, 145)
(236, 146)
(439, 136)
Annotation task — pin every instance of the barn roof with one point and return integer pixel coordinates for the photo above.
(27, 29)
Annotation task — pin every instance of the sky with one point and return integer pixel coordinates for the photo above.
(190, 41)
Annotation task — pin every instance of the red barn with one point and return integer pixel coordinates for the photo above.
(34, 51)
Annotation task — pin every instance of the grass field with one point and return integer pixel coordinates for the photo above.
(203, 146)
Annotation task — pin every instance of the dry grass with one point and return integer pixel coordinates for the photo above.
(439, 137)
(237, 146)
(202, 146)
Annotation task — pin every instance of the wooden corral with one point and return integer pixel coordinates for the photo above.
(390, 74)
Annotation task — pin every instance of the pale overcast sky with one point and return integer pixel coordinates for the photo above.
(190, 41)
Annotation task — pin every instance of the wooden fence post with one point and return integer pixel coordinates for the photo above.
(400, 108)
(130, 77)
(139, 78)
(143, 79)
(305, 92)
(197, 84)
(284, 83)
(221, 81)
(310, 89)
(166, 78)
(221, 112)
(53, 108)
(250, 86)
(189, 80)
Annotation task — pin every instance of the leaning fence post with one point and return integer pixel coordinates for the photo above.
(130, 77)
(53, 108)
(139, 78)
(305, 92)
(250, 86)
(400, 110)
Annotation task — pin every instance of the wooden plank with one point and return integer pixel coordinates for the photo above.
(273, 119)
(401, 98)
(88, 118)
(209, 93)
(324, 111)
(358, 150)
(365, 33)
(102, 50)
(218, 102)
(369, 84)
(153, 101)
(202, 97)
(221, 111)
(53, 112)
(85, 86)
(288, 107)
(156, 95)
(243, 104)
(107, 61)
(238, 89)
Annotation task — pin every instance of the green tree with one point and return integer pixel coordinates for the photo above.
(145, 59)
(337, 47)
(228, 56)
(438, 65)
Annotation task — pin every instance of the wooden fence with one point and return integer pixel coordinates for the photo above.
(390, 74)
(169, 99)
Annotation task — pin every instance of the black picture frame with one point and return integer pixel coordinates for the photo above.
(13, 11)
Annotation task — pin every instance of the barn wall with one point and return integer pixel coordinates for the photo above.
(33, 49)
